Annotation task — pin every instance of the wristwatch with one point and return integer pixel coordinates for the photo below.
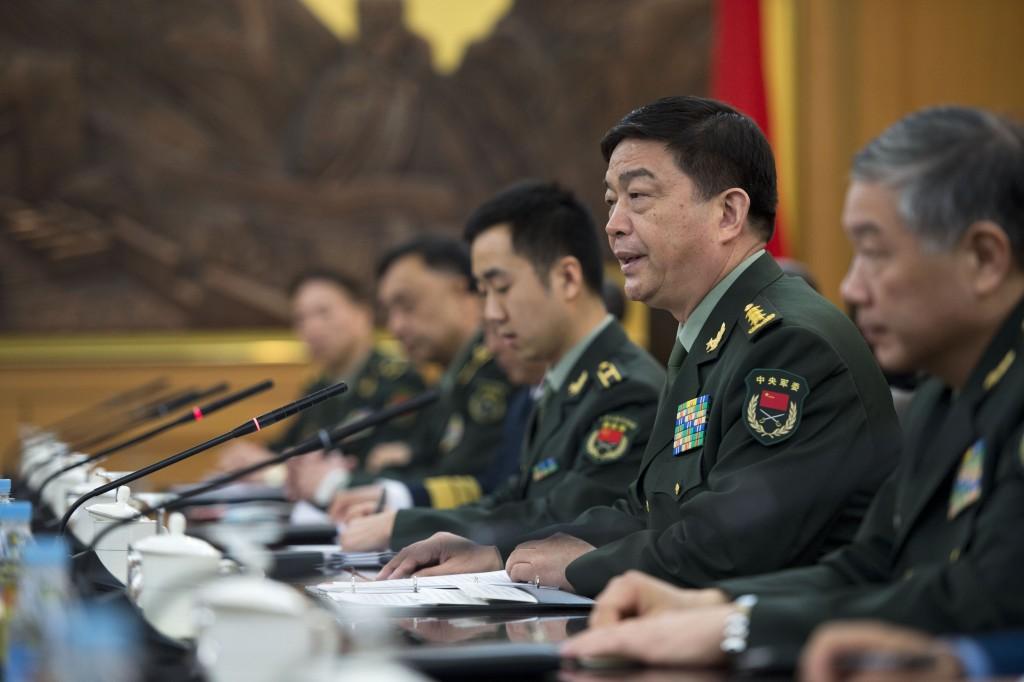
(737, 625)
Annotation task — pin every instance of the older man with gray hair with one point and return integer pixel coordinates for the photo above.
(935, 213)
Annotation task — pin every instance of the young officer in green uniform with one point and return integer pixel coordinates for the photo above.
(426, 289)
(776, 426)
(334, 320)
(935, 213)
(537, 263)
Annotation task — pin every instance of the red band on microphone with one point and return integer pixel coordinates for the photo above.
(256, 422)
(197, 413)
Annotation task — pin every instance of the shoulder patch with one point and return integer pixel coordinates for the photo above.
(774, 404)
(487, 402)
(608, 374)
(760, 316)
(611, 439)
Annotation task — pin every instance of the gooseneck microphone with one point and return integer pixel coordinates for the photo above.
(138, 415)
(193, 415)
(117, 400)
(244, 429)
(324, 439)
(158, 411)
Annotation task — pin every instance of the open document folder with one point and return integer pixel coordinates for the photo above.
(462, 590)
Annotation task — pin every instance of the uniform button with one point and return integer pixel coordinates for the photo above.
(908, 574)
(954, 555)
(678, 487)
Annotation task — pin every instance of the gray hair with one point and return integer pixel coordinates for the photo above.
(951, 166)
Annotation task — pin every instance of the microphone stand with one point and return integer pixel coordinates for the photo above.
(251, 426)
(324, 439)
(193, 415)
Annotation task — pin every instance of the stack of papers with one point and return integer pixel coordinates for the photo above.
(463, 589)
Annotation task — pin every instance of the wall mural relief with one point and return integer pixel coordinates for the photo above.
(172, 165)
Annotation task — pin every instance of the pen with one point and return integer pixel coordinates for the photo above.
(383, 500)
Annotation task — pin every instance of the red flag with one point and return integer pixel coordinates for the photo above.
(773, 400)
(737, 72)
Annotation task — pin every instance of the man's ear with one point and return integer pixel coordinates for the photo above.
(733, 206)
(988, 256)
(566, 278)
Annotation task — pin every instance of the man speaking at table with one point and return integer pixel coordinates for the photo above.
(776, 427)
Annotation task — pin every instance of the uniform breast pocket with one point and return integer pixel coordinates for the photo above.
(669, 480)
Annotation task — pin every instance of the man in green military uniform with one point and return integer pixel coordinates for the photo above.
(334, 320)
(776, 426)
(425, 287)
(935, 213)
(537, 262)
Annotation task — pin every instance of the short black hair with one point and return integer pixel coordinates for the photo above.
(441, 254)
(715, 145)
(347, 283)
(546, 223)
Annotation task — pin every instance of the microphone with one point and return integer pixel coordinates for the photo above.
(244, 429)
(155, 412)
(128, 396)
(118, 418)
(193, 415)
(138, 415)
(326, 439)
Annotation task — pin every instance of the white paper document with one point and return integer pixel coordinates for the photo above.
(408, 584)
(463, 589)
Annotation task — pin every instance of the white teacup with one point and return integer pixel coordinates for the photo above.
(112, 549)
(259, 630)
(81, 523)
(173, 567)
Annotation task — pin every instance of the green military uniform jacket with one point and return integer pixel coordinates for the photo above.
(383, 379)
(456, 441)
(582, 452)
(766, 450)
(940, 549)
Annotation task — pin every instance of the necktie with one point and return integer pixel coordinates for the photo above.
(675, 361)
(546, 393)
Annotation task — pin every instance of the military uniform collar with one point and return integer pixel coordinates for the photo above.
(999, 356)
(690, 329)
(595, 366)
(470, 358)
(730, 308)
(558, 373)
(363, 367)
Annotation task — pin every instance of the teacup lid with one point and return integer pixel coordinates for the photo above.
(175, 543)
(258, 595)
(119, 509)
